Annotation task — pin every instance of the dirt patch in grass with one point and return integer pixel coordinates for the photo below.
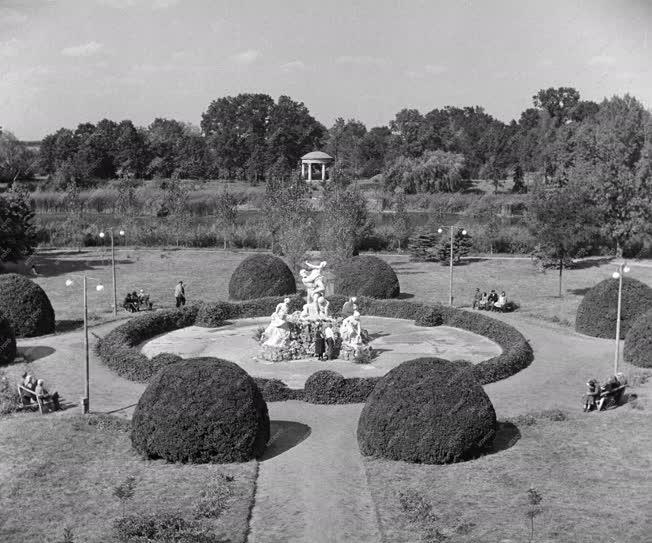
(594, 473)
(62, 472)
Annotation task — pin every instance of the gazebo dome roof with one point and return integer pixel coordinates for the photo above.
(317, 155)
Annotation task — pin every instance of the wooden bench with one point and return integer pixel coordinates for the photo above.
(615, 394)
(44, 406)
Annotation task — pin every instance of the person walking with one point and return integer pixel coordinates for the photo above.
(180, 294)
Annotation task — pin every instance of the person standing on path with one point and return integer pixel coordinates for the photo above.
(180, 294)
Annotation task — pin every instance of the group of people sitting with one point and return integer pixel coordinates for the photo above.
(134, 301)
(597, 395)
(37, 387)
(489, 302)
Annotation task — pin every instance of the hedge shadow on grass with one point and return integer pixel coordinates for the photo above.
(120, 351)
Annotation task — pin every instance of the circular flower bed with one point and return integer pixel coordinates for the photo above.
(596, 314)
(638, 342)
(427, 410)
(261, 275)
(366, 276)
(201, 410)
(26, 306)
(7, 342)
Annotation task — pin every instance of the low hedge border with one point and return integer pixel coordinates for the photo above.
(119, 348)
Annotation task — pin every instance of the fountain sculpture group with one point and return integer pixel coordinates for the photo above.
(314, 331)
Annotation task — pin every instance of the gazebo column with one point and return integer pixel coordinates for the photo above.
(323, 172)
(309, 171)
(303, 171)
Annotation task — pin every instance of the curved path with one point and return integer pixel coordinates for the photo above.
(317, 490)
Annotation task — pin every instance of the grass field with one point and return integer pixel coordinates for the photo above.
(60, 472)
(206, 274)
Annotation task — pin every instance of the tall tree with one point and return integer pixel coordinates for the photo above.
(564, 222)
(16, 160)
(344, 223)
(17, 233)
(558, 102)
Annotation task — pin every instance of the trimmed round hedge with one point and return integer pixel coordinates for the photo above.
(427, 410)
(261, 275)
(7, 342)
(201, 410)
(638, 342)
(26, 306)
(366, 276)
(596, 314)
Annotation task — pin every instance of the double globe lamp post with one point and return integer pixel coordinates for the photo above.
(115, 291)
(622, 269)
(452, 230)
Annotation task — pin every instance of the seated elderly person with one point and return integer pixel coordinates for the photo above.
(46, 396)
(29, 383)
(131, 302)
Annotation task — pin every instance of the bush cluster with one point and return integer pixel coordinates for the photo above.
(427, 410)
(366, 276)
(596, 314)
(330, 387)
(7, 342)
(119, 349)
(201, 410)
(26, 306)
(430, 316)
(638, 342)
(261, 275)
(275, 390)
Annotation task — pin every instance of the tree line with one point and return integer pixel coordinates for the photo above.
(253, 138)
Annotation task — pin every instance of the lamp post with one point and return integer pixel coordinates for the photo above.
(99, 287)
(440, 231)
(622, 268)
(115, 290)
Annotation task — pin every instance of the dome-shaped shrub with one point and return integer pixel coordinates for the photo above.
(26, 306)
(261, 275)
(427, 410)
(7, 342)
(201, 410)
(638, 342)
(324, 387)
(596, 314)
(366, 276)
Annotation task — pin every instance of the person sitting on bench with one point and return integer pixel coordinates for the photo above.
(501, 303)
(143, 299)
(613, 389)
(130, 303)
(29, 383)
(592, 394)
(45, 396)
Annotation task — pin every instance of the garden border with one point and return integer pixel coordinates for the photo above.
(118, 349)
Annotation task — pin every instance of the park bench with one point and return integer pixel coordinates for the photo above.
(611, 397)
(44, 406)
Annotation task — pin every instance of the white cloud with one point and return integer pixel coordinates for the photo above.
(83, 50)
(217, 25)
(153, 4)
(361, 60)
(10, 48)
(602, 60)
(246, 57)
(293, 66)
(435, 69)
(10, 16)
(164, 4)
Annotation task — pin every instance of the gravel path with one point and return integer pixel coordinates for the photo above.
(316, 491)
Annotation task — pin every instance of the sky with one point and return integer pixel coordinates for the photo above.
(64, 62)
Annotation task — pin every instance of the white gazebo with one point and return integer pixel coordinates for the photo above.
(316, 157)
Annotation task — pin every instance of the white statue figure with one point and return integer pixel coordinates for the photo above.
(323, 305)
(349, 307)
(313, 280)
(350, 329)
(311, 310)
(278, 330)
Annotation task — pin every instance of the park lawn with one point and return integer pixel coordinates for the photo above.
(593, 471)
(59, 472)
(206, 274)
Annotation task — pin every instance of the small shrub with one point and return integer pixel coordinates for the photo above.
(212, 315)
(125, 492)
(596, 314)
(638, 342)
(26, 306)
(324, 387)
(366, 276)
(165, 527)
(201, 410)
(261, 275)
(7, 342)
(430, 316)
(9, 399)
(427, 410)
(275, 390)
